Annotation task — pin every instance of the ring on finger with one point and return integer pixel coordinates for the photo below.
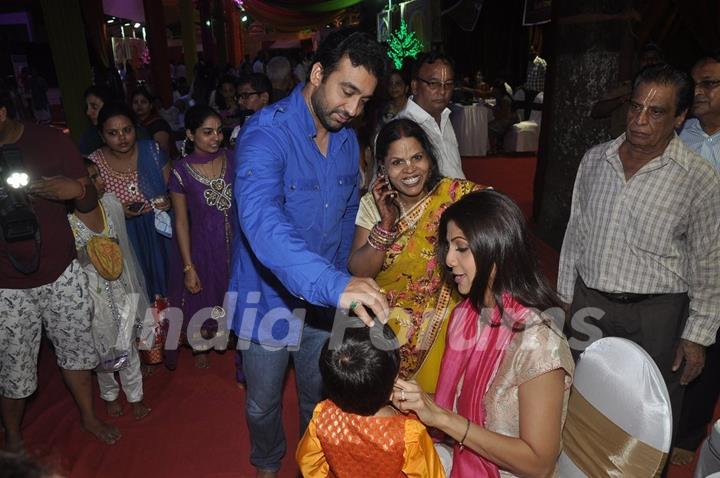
(354, 304)
(402, 395)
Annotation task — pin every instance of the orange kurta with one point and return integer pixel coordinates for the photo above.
(343, 445)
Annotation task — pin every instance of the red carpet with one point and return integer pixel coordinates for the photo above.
(513, 175)
(197, 424)
(196, 427)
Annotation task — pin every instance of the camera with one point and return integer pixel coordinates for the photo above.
(17, 218)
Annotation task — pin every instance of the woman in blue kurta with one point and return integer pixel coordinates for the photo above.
(135, 171)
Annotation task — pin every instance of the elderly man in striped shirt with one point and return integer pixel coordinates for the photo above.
(641, 254)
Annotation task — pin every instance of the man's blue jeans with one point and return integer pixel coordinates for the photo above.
(265, 370)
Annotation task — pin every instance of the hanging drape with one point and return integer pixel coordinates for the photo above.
(66, 34)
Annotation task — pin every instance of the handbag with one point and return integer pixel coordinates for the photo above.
(106, 257)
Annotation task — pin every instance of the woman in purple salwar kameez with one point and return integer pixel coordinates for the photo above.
(201, 191)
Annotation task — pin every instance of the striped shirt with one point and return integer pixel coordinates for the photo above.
(658, 232)
(707, 146)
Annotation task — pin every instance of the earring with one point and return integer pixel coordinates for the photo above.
(184, 149)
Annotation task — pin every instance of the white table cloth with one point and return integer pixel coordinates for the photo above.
(470, 123)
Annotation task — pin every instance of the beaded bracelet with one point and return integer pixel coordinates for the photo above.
(379, 246)
(380, 238)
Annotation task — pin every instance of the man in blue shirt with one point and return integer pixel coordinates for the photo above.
(296, 188)
(702, 134)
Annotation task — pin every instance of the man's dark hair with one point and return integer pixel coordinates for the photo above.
(360, 373)
(710, 57)
(7, 102)
(664, 74)
(258, 82)
(219, 98)
(429, 59)
(359, 47)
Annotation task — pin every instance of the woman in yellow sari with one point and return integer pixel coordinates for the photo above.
(395, 240)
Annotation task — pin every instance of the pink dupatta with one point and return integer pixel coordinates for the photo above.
(475, 360)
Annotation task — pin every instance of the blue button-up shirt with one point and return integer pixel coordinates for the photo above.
(296, 209)
(707, 146)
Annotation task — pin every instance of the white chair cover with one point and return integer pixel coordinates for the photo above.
(619, 379)
(536, 115)
(517, 97)
(470, 123)
(522, 137)
(709, 461)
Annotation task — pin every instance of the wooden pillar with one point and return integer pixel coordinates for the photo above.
(584, 54)
(218, 24)
(187, 25)
(157, 44)
(234, 33)
(66, 34)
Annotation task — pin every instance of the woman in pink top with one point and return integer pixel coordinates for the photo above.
(506, 372)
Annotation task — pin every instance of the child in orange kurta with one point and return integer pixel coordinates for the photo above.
(355, 432)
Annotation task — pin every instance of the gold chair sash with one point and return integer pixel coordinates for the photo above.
(601, 448)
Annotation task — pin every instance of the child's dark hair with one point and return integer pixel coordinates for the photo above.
(359, 373)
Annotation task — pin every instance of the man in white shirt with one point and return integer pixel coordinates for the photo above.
(432, 85)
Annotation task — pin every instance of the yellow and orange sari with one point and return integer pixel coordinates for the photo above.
(411, 274)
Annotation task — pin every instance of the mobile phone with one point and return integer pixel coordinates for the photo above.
(136, 206)
(382, 171)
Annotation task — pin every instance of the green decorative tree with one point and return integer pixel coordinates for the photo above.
(403, 43)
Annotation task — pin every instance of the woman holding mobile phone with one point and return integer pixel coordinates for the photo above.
(136, 172)
(395, 239)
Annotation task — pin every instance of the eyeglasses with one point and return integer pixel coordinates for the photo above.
(707, 85)
(248, 94)
(437, 85)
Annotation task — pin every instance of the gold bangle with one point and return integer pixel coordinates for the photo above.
(187, 268)
(461, 443)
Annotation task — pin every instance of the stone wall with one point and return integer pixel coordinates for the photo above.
(584, 54)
